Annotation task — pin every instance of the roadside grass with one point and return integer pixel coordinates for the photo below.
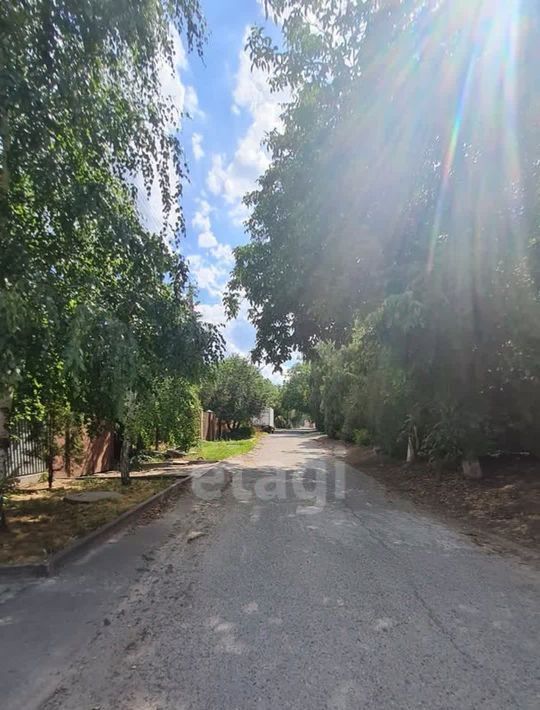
(41, 522)
(219, 450)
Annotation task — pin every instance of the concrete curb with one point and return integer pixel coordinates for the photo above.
(170, 465)
(58, 559)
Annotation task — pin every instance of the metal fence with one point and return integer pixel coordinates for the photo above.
(24, 454)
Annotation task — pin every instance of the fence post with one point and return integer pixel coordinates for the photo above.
(67, 447)
(5, 409)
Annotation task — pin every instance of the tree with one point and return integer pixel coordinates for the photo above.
(128, 370)
(295, 394)
(383, 227)
(237, 392)
(171, 413)
(89, 299)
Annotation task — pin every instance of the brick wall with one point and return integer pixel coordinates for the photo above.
(98, 455)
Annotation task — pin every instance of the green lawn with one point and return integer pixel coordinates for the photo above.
(218, 450)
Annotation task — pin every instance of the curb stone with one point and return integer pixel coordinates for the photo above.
(58, 559)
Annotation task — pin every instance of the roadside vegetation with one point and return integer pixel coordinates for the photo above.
(293, 403)
(398, 250)
(97, 321)
(223, 449)
(237, 392)
(41, 522)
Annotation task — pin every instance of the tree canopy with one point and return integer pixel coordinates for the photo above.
(295, 392)
(398, 218)
(93, 306)
(237, 392)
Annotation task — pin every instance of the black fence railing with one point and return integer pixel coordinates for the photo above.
(25, 456)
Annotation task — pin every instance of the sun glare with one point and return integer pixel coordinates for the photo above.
(483, 63)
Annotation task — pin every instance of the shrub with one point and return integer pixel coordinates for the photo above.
(362, 437)
(243, 432)
(454, 434)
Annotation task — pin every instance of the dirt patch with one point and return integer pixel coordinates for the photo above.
(41, 521)
(506, 502)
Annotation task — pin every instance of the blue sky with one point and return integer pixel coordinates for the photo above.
(231, 109)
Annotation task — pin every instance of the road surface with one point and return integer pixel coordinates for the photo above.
(310, 588)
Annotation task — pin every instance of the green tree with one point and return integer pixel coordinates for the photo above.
(382, 207)
(295, 394)
(171, 414)
(237, 392)
(89, 299)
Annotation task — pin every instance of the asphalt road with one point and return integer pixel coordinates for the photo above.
(310, 588)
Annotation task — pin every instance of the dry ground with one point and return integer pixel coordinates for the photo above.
(41, 522)
(506, 502)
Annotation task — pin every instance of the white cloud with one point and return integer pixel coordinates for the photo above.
(231, 330)
(275, 377)
(217, 175)
(201, 219)
(179, 53)
(212, 313)
(223, 253)
(196, 144)
(206, 238)
(279, 377)
(191, 103)
(252, 94)
(170, 78)
(211, 277)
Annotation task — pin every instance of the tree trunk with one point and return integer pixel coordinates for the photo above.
(157, 438)
(3, 519)
(67, 448)
(5, 136)
(411, 451)
(412, 446)
(5, 411)
(124, 459)
(471, 468)
(50, 452)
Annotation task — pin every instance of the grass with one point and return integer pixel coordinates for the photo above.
(41, 522)
(219, 450)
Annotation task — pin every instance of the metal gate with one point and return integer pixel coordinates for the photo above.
(25, 455)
